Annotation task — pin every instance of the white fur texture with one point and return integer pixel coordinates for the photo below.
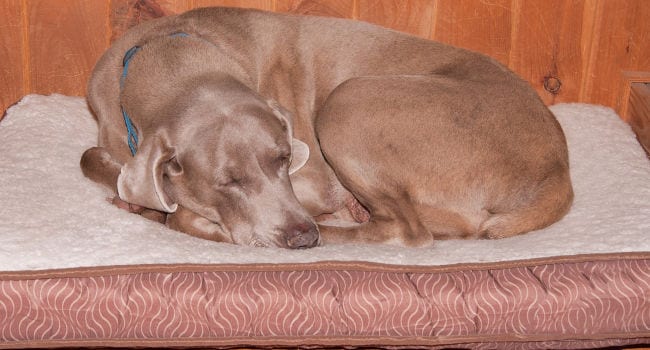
(53, 217)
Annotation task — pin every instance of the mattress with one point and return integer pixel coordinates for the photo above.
(76, 271)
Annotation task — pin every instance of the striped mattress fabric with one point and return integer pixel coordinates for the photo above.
(565, 302)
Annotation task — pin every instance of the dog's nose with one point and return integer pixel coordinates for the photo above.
(302, 236)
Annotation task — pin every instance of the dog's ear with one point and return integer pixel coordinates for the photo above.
(299, 149)
(299, 155)
(141, 178)
(283, 114)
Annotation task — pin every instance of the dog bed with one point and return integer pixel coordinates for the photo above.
(77, 271)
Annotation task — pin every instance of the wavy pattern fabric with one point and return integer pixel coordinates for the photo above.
(556, 305)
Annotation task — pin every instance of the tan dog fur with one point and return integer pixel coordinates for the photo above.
(434, 141)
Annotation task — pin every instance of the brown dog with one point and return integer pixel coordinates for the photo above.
(246, 125)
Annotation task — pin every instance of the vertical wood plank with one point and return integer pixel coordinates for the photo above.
(585, 43)
(591, 24)
(11, 54)
(175, 6)
(546, 47)
(331, 8)
(411, 16)
(66, 39)
(483, 26)
(125, 14)
(257, 4)
(622, 44)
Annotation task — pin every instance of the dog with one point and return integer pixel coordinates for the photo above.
(279, 130)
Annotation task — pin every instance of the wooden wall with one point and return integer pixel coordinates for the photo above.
(577, 48)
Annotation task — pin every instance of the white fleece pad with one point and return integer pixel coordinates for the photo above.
(53, 217)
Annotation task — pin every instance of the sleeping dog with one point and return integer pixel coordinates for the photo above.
(270, 129)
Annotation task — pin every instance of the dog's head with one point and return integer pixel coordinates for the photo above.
(227, 156)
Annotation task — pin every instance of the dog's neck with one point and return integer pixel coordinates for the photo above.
(177, 74)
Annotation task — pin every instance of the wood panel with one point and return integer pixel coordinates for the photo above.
(639, 113)
(410, 16)
(546, 47)
(51, 45)
(12, 56)
(330, 8)
(621, 42)
(124, 14)
(65, 40)
(628, 80)
(257, 4)
(483, 26)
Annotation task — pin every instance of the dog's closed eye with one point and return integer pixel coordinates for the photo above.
(282, 160)
(232, 181)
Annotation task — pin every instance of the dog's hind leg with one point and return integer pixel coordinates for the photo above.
(379, 229)
(430, 160)
(551, 202)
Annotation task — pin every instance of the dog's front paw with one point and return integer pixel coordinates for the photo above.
(187, 221)
(130, 207)
(153, 215)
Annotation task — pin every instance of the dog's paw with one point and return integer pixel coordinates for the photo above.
(359, 212)
(130, 207)
(153, 215)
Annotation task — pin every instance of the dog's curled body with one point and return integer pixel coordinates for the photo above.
(252, 123)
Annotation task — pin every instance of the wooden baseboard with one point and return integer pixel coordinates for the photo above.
(638, 112)
(629, 78)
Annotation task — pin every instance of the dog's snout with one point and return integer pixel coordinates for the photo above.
(300, 236)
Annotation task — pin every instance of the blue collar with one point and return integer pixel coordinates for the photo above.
(132, 135)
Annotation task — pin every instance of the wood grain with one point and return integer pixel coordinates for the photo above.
(125, 14)
(625, 87)
(546, 46)
(65, 40)
(51, 45)
(11, 55)
(410, 16)
(257, 4)
(622, 43)
(329, 8)
(483, 26)
(639, 116)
